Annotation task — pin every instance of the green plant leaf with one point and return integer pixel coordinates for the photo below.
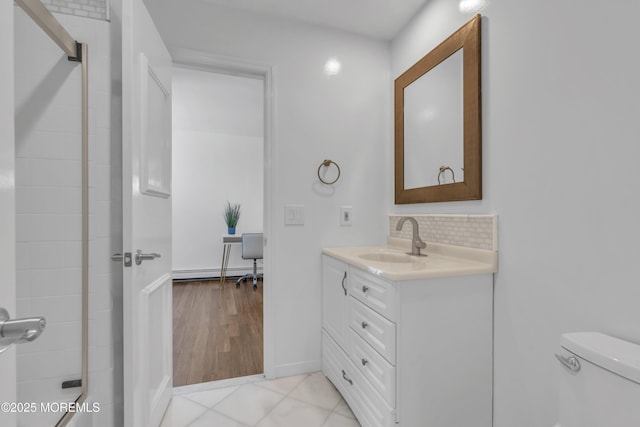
(232, 214)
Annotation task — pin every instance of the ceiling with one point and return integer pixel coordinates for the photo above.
(381, 19)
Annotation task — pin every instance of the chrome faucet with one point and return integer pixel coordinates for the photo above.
(416, 241)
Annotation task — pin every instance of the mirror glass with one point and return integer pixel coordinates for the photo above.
(433, 124)
(437, 103)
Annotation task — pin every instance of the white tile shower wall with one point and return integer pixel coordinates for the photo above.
(48, 208)
(96, 9)
(471, 231)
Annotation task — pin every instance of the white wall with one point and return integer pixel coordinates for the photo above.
(560, 150)
(48, 207)
(344, 118)
(218, 156)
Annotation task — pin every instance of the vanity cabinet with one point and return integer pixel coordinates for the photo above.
(412, 352)
(334, 299)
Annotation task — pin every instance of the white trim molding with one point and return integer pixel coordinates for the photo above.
(155, 160)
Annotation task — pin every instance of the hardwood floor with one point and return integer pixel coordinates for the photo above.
(217, 331)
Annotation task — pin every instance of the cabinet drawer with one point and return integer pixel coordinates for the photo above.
(377, 331)
(333, 364)
(375, 292)
(367, 405)
(380, 373)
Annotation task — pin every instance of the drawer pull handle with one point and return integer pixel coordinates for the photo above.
(365, 288)
(343, 286)
(364, 362)
(346, 378)
(364, 325)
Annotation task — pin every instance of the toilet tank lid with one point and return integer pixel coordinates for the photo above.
(612, 354)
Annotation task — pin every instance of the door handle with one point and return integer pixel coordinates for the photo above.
(19, 331)
(145, 257)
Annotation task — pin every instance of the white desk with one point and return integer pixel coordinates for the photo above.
(227, 241)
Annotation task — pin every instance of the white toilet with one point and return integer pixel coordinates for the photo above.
(600, 381)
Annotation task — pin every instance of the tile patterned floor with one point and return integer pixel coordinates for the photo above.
(304, 400)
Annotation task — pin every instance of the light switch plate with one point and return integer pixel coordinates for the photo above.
(294, 215)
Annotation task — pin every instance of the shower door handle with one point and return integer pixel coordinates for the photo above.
(19, 331)
(145, 257)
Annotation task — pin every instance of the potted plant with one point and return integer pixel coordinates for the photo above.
(231, 216)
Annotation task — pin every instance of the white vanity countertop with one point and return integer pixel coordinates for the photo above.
(441, 260)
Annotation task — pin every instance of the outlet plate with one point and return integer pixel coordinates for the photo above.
(346, 216)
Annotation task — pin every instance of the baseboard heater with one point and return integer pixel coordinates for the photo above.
(207, 274)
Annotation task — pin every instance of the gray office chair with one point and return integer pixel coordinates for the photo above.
(251, 249)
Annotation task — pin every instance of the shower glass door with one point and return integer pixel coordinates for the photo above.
(49, 231)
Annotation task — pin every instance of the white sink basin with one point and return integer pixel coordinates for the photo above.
(392, 257)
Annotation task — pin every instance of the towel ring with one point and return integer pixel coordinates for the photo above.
(328, 163)
(443, 169)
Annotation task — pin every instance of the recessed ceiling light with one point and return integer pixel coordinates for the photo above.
(471, 6)
(332, 66)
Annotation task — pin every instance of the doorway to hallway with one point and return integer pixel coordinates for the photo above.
(218, 134)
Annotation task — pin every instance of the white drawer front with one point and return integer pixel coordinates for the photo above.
(379, 332)
(378, 371)
(375, 292)
(333, 363)
(367, 405)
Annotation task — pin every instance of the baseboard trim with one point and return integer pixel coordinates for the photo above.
(191, 388)
(291, 369)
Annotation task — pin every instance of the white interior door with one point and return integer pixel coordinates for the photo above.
(146, 151)
(7, 206)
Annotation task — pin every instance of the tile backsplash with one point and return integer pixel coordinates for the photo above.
(96, 9)
(471, 231)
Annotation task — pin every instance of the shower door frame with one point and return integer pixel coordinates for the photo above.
(76, 52)
(7, 201)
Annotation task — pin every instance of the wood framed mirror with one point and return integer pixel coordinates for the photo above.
(438, 127)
